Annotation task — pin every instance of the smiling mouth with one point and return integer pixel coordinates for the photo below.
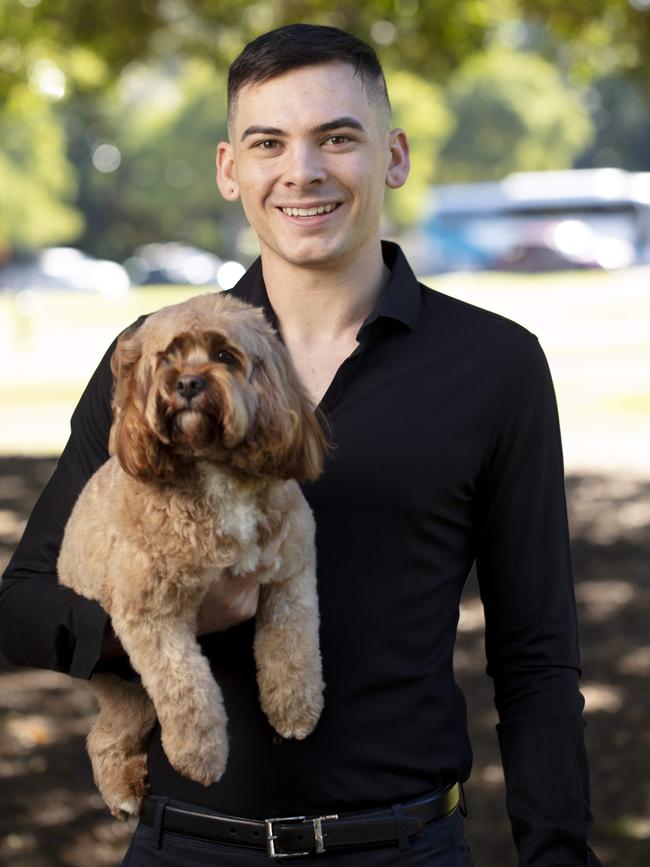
(310, 212)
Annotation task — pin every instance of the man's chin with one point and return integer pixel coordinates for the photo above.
(313, 253)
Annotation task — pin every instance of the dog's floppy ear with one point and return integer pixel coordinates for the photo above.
(286, 439)
(136, 446)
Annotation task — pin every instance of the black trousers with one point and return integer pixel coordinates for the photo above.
(442, 845)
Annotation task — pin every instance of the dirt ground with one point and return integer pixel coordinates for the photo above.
(50, 815)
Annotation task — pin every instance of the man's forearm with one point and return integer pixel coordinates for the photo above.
(44, 625)
(547, 781)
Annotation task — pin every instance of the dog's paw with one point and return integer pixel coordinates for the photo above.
(294, 713)
(124, 793)
(201, 758)
(125, 809)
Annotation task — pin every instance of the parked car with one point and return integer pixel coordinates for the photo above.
(64, 268)
(536, 221)
(181, 264)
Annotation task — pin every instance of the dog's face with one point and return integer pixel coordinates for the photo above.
(208, 379)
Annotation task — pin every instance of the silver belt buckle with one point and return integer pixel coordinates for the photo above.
(318, 832)
(271, 837)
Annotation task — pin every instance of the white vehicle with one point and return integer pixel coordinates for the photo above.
(181, 264)
(65, 268)
(536, 221)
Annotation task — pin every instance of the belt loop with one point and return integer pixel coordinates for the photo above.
(158, 816)
(401, 826)
(462, 801)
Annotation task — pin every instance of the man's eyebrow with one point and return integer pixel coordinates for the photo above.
(262, 130)
(337, 123)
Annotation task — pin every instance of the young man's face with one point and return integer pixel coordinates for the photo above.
(312, 138)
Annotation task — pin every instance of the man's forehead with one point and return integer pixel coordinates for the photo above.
(332, 89)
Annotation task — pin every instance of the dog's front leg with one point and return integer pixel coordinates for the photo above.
(188, 701)
(287, 651)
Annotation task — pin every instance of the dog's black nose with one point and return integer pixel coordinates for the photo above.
(189, 386)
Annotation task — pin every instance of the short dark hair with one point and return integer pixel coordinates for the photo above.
(298, 45)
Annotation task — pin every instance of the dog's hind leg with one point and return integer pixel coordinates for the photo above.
(117, 742)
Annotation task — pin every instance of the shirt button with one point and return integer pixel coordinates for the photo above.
(278, 739)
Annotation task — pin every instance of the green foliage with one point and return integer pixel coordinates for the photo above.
(170, 158)
(419, 108)
(513, 113)
(595, 37)
(165, 122)
(429, 37)
(620, 107)
(38, 182)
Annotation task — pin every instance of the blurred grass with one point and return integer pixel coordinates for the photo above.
(593, 326)
(50, 343)
(88, 306)
(634, 403)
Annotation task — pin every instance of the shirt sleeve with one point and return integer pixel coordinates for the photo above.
(523, 563)
(42, 623)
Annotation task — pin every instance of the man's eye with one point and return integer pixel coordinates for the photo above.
(266, 145)
(225, 357)
(338, 139)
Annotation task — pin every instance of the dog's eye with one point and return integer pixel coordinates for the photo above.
(225, 357)
(165, 361)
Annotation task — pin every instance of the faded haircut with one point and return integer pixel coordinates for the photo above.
(298, 45)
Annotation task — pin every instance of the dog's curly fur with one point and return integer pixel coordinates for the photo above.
(211, 433)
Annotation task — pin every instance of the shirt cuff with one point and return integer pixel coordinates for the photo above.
(86, 629)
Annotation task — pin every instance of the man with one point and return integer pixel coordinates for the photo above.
(446, 450)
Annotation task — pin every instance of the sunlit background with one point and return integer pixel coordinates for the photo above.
(529, 122)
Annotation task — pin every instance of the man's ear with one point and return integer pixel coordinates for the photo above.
(226, 174)
(400, 163)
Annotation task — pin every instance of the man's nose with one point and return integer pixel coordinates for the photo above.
(305, 166)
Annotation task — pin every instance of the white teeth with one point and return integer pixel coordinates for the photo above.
(308, 212)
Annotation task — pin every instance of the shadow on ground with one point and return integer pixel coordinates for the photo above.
(50, 815)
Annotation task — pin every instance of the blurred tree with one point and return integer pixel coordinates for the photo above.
(120, 31)
(420, 109)
(622, 117)
(595, 37)
(146, 159)
(429, 38)
(38, 182)
(513, 113)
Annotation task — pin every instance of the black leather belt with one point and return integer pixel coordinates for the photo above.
(288, 836)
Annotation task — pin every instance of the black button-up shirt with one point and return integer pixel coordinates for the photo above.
(446, 450)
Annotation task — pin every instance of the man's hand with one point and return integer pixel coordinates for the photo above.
(228, 602)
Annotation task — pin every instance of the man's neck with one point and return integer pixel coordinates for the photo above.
(323, 305)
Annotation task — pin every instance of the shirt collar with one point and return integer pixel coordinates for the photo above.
(399, 300)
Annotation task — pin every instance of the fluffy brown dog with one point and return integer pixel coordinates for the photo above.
(211, 430)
